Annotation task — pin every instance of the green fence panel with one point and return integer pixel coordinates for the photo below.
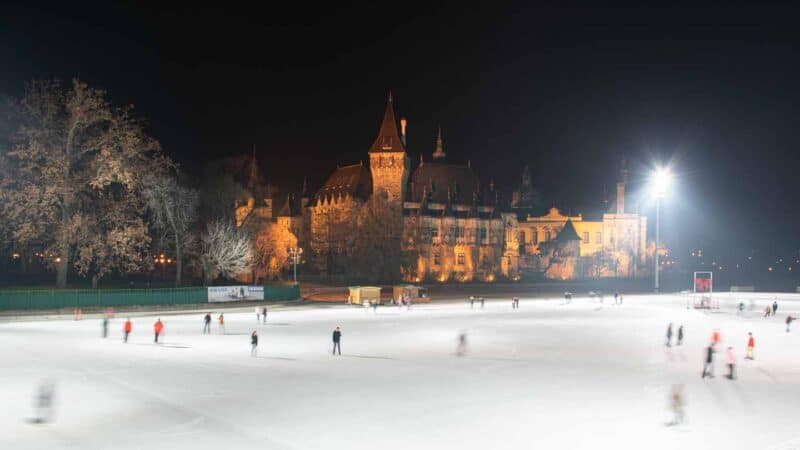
(87, 298)
(282, 292)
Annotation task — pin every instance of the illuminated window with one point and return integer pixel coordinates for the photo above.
(459, 232)
(483, 234)
(434, 232)
(546, 234)
(461, 258)
(437, 258)
(535, 236)
(521, 237)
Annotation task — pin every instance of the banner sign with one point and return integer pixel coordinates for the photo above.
(703, 282)
(235, 293)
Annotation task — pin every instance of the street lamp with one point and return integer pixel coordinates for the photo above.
(662, 178)
(294, 255)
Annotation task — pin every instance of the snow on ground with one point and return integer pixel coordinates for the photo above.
(550, 375)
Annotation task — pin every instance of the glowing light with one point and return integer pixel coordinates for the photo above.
(661, 180)
(769, 268)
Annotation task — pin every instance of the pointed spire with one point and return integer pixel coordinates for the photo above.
(388, 139)
(439, 153)
(305, 185)
(253, 179)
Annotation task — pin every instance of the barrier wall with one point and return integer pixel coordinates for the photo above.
(71, 298)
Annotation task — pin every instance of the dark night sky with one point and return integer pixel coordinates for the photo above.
(567, 90)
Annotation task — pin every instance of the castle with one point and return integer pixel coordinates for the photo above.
(447, 227)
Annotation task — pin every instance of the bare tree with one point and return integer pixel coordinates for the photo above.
(71, 148)
(224, 250)
(174, 211)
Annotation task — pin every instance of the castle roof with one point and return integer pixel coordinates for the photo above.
(388, 139)
(354, 180)
(441, 180)
(568, 233)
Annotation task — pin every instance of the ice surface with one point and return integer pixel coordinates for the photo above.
(549, 375)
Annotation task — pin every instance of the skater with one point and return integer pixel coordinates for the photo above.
(715, 337)
(258, 314)
(472, 301)
(409, 301)
(620, 298)
(44, 402)
(680, 335)
(462, 344)
(481, 302)
(515, 303)
(774, 307)
(105, 326)
(264, 315)
(207, 323)
(337, 340)
(730, 359)
(767, 311)
(221, 320)
(789, 320)
(126, 330)
(708, 366)
(254, 344)
(669, 335)
(751, 345)
(375, 306)
(676, 404)
(616, 297)
(158, 327)
(741, 307)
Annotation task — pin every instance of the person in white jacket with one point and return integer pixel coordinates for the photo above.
(730, 359)
(258, 314)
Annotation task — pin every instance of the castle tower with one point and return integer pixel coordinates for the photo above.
(388, 161)
(439, 152)
(621, 181)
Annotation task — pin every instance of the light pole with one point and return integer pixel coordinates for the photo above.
(294, 254)
(661, 180)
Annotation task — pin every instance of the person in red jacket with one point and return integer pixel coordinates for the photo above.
(751, 344)
(126, 329)
(158, 327)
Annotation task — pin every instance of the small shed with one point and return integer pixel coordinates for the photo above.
(417, 294)
(363, 294)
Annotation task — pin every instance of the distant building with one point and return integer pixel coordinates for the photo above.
(453, 228)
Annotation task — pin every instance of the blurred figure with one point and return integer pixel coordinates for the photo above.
(375, 305)
(254, 344)
(620, 298)
(462, 344)
(481, 302)
(680, 335)
(741, 307)
(616, 297)
(767, 311)
(676, 404)
(789, 320)
(43, 403)
(207, 324)
(774, 307)
(337, 340)
(221, 320)
(258, 314)
(751, 344)
(715, 336)
(515, 303)
(669, 335)
(472, 301)
(708, 366)
(730, 359)
(105, 326)
(158, 327)
(264, 315)
(126, 329)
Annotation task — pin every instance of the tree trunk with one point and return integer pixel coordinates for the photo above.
(178, 262)
(95, 279)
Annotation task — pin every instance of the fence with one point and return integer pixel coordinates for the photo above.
(82, 298)
(285, 292)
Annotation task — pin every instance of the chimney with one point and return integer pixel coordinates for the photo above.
(623, 178)
(403, 124)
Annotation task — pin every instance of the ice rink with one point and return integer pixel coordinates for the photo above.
(549, 375)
